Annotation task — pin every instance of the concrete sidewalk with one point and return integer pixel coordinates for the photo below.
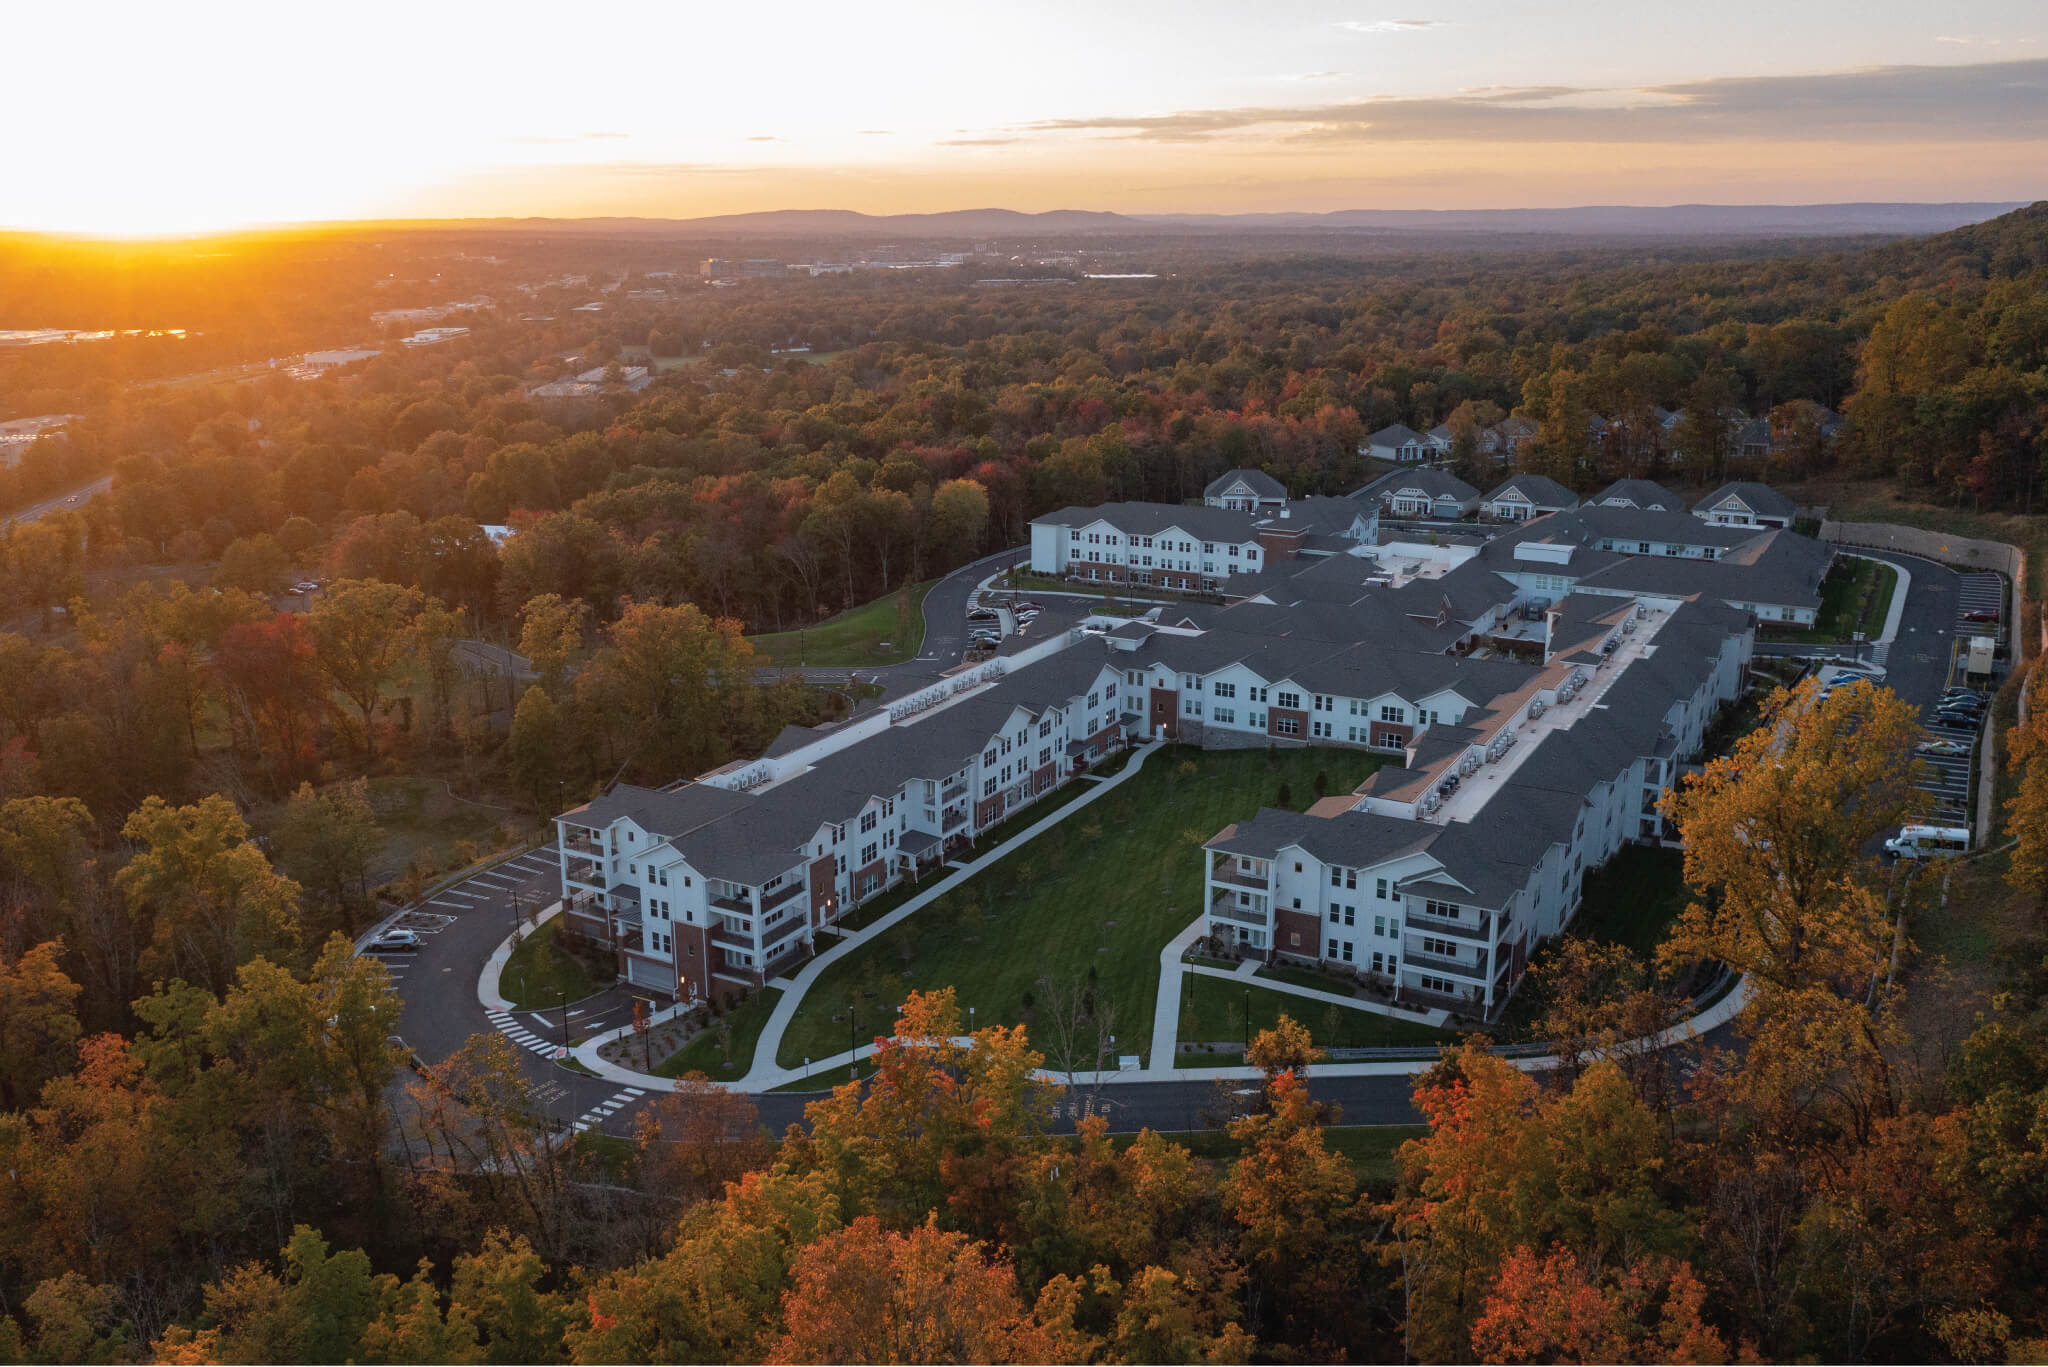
(765, 1074)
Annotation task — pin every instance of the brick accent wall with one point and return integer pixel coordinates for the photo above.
(1298, 932)
(1164, 710)
(1274, 716)
(822, 893)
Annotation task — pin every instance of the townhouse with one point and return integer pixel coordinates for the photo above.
(1745, 503)
(1249, 491)
(1420, 493)
(1522, 497)
(1638, 493)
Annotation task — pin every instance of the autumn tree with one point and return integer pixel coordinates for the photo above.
(1776, 838)
(869, 1294)
(1552, 1308)
(534, 748)
(210, 898)
(38, 1022)
(675, 687)
(361, 634)
(551, 637)
(326, 842)
(2026, 811)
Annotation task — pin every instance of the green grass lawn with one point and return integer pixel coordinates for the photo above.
(855, 637)
(1854, 597)
(1212, 1012)
(1633, 898)
(1097, 895)
(732, 1038)
(539, 969)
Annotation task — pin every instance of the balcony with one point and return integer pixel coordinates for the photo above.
(1413, 958)
(781, 931)
(1437, 925)
(1229, 873)
(1224, 905)
(954, 792)
(731, 937)
(782, 895)
(738, 906)
(586, 848)
(953, 819)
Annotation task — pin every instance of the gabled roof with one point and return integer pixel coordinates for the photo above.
(1147, 519)
(1438, 484)
(1395, 435)
(1760, 499)
(1539, 490)
(1261, 484)
(1640, 493)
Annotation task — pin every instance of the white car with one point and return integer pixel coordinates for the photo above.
(395, 942)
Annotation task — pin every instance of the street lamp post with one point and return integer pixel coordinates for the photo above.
(1247, 1024)
(562, 1000)
(852, 1043)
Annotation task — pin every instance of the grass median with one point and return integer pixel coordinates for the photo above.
(541, 974)
(1088, 905)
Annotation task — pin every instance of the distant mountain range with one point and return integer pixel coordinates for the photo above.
(1677, 220)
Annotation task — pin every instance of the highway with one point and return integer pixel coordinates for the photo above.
(76, 498)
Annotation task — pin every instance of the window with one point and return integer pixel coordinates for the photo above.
(1226, 690)
(1333, 950)
(1443, 911)
(868, 852)
(1381, 890)
(1433, 984)
(867, 820)
(1336, 876)
(1320, 728)
(1393, 712)
(1379, 926)
(1288, 726)
(1443, 949)
(1225, 716)
(1291, 700)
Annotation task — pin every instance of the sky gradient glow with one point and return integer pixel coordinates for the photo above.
(153, 117)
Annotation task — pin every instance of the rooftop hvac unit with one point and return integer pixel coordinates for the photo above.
(1628, 627)
(1469, 764)
(1536, 707)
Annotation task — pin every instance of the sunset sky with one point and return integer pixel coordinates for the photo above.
(177, 117)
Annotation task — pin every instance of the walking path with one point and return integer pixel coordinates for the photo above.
(1166, 1007)
(766, 1074)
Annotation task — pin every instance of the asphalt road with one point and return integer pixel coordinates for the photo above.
(76, 498)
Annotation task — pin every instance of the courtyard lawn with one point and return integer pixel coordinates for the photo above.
(1633, 899)
(726, 1050)
(1854, 597)
(1212, 1012)
(854, 638)
(539, 969)
(1091, 903)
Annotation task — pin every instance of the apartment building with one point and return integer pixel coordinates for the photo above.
(718, 883)
(1522, 497)
(1160, 545)
(1539, 690)
(1439, 879)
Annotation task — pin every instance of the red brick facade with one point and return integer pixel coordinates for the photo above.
(1164, 713)
(822, 907)
(1275, 716)
(1298, 932)
(1389, 736)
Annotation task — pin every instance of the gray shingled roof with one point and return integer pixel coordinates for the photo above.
(1761, 498)
(1540, 490)
(1641, 493)
(1259, 482)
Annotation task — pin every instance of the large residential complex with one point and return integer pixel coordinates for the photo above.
(1534, 692)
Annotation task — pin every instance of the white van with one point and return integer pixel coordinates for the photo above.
(1929, 842)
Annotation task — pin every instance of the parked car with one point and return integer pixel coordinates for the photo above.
(1944, 747)
(1956, 721)
(1982, 615)
(1032, 605)
(395, 942)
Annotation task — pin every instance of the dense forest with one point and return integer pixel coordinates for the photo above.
(198, 1101)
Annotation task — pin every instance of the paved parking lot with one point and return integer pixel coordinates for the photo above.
(458, 927)
(1980, 605)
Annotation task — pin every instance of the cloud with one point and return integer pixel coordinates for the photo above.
(978, 142)
(874, 132)
(1987, 101)
(1388, 25)
(545, 140)
(1316, 76)
(766, 137)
